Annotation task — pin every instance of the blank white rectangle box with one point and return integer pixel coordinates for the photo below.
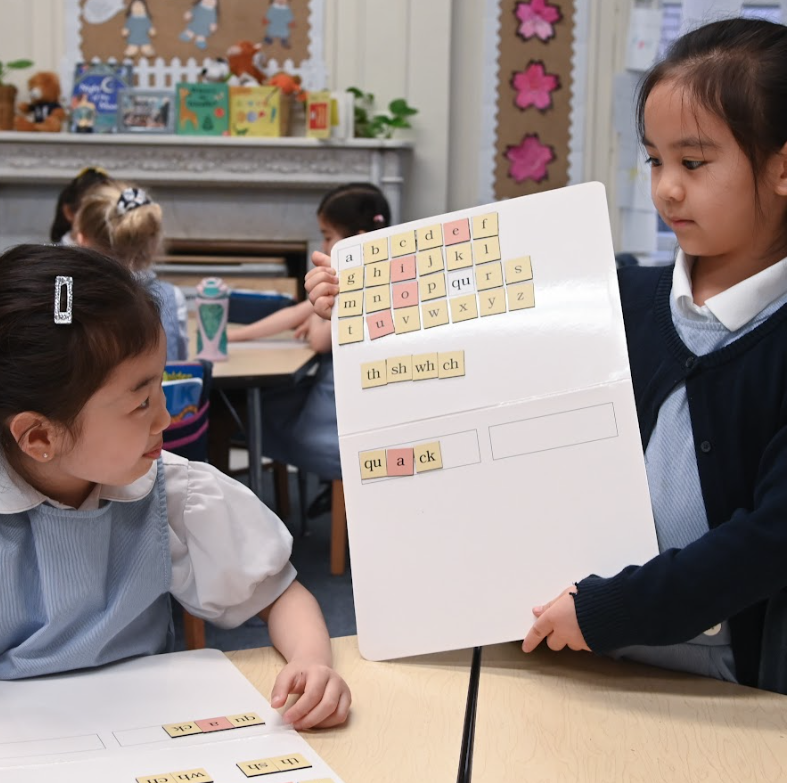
(49, 747)
(130, 737)
(554, 431)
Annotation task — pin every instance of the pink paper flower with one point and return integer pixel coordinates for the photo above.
(534, 86)
(529, 159)
(537, 18)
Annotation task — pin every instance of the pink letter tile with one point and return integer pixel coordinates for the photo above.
(456, 231)
(214, 724)
(380, 324)
(405, 295)
(403, 269)
(400, 462)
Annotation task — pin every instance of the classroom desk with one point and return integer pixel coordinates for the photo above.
(544, 718)
(254, 366)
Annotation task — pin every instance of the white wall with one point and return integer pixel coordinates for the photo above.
(428, 51)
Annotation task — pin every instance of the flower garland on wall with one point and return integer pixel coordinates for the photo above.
(534, 95)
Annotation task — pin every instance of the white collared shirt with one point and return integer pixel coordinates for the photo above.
(230, 553)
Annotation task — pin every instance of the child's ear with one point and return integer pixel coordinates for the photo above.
(780, 171)
(35, 435)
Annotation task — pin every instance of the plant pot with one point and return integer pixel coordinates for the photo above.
(7, 106)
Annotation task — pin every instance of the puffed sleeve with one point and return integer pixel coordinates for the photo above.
(230, 553)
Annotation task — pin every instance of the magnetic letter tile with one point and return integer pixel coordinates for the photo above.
(425, 366)
(462, 281)
(350, 280)
(295, 761)
(202, 775)
(518, 269)
(164, 778)
(373, 464)
(378, 274)
(400, 368)
(428, 457)
(403, 269)
(492, 302)
(377, 298)
(182, 729)
(214, 724)
(378, 324)
(350, 303)
(400, 462)
(246, 719)
(435, 314)
(431, 287)
(402, 244)
(376, 250)
(486, 250)
(485, 225)
(374, 374)
(407, 319)
(350, 330)
(488, 276)
(451, 364)
(463, 308)
(521, 296)
(405, 295)
(350, 256)
(252, 769)
(429, 237)
(456, 231)
(430, 261)
(459, 256)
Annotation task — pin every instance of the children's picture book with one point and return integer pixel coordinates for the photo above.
(489, 441)
(258, 111)
(146, 111)
(319, 114)
(94, 96)
(202, 109)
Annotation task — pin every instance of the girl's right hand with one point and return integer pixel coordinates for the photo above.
(322, 285)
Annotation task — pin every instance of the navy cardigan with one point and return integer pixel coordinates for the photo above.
(737, 571)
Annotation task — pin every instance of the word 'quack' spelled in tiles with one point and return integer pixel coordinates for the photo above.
(213, 724)
(429, 277)
(200, 775)
(270, 766)
(423, 367)
(407, 461)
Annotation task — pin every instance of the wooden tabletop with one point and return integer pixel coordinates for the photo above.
(547, 717)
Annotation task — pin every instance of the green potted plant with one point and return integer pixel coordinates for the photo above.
(369, 125)
(8, 92)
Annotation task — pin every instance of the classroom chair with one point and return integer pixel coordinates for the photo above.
(246, 307)
(187, 434)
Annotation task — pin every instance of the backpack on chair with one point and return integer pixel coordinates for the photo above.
(187, 387)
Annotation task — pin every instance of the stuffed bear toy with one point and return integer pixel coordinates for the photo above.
(44, 110)
(247, 61)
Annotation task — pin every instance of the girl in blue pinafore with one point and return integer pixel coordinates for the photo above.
(98, 527)
(120, 220)
(203, 21)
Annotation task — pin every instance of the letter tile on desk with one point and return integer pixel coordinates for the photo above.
(351, 330)
(428, 457)
(456, 231)
(253, 769)
(429, 236)
(376, 250)
(435, 314)
(489, 276)
(407, 319)
(214, 724)
(379, 324)
(378, 274)
(163, 778)
(189, 775)
(485, 250)
(400, 462)
(374, 374)
(461, 281)
(373, 464)
(295, 761)
(246, 719)
(425, 366)
(431, 287)
(485, 225)
(403, 269)
(492, 302)
(463, 308)
(430, 261)
(350, 303)
(518, 269)
(377, 298)
(350, 279)
(182, 729)
(405, 294)
(402, 244)
(520, 296)
(451, 364)
(400, 368)
(459, 256)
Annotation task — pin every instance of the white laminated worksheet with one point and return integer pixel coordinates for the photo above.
(187, 716)
(490, 448)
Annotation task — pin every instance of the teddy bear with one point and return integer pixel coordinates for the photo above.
(44, 112)
(247, 61)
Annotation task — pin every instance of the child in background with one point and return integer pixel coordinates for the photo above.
(98, 527)
(707, 343)
(120, 220)
(68, 203)
(299, 425)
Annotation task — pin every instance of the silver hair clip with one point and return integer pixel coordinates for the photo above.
(131, 198)
(64, 315)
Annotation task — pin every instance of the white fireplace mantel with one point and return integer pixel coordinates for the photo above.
(209, 187)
